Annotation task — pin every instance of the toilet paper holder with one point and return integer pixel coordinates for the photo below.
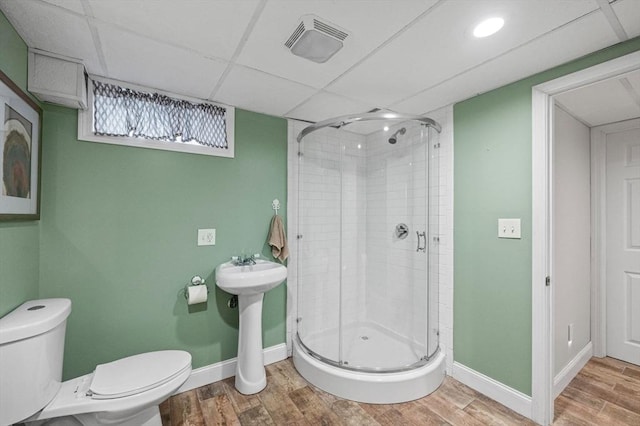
(196, 280)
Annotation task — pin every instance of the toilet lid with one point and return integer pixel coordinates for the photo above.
(137, 373)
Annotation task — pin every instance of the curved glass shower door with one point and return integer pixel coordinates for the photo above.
(319, 244)
(367, 256)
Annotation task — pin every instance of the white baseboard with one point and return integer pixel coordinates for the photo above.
(509, 397)
(564, 377)
(224, 369)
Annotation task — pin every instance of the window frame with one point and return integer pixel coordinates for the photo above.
(85, 124)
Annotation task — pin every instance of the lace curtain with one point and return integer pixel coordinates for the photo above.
(119, 111)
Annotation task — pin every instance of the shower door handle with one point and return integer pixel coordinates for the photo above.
(423, 235)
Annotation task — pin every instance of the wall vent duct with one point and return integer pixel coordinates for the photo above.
(316, 39)
(57, 79)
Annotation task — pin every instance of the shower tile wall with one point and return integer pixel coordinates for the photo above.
(354, 208)
(379, 200)
(396, 191)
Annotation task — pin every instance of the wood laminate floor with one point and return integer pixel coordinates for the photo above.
(605, 392)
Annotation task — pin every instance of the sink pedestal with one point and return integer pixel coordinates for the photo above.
(249, 282)
(250, 374)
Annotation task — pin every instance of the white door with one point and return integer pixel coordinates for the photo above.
(623, 244)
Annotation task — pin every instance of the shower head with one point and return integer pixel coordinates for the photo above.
(394, 138)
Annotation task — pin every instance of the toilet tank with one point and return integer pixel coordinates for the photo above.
(31, 352)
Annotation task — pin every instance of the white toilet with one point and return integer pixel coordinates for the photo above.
(126, 392)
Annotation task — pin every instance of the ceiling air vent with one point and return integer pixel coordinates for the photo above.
(316, 39)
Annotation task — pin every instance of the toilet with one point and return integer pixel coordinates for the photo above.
(125, 392)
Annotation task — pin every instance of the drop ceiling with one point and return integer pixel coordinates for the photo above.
(408, 56)
(608, 101)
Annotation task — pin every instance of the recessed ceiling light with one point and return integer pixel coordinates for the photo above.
(386, 128)
(488, 27)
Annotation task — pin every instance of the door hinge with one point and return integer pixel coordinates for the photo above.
(547, 281)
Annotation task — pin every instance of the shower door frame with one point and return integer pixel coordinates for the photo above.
(427, 124)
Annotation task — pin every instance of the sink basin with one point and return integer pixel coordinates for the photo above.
(249, 283)
(250, 279)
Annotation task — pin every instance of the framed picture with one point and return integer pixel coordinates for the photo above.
(20, 149)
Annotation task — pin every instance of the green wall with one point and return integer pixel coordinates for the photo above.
(118, 230)
(492, 179)
(19, 241)
(118, 237)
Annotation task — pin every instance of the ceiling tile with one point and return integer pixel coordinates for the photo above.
(368, 127)
(410, 56)
(53, 29)
(368, 25)
(72, 5)
(628, 13)
(256, 91)
(324, 105)
(583, 36)
(441, 45)
(605, 102)
(147, 62)
(213, 28)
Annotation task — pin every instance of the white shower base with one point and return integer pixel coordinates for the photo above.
(366, 344)
(380, 349)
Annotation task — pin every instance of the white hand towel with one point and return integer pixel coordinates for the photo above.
(278, 239)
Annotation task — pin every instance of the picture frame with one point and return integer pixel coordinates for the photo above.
(20, 153)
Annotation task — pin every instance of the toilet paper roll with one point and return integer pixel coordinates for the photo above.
(196, 294)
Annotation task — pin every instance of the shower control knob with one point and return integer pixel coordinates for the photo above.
(402, 230)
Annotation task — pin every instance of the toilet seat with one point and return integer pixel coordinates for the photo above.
(74, 397)
(137, 373)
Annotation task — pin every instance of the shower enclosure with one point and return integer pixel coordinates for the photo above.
(367, 257)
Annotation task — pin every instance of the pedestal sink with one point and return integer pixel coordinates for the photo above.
(249, 283)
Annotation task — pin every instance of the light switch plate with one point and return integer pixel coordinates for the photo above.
(206, 237)
(508, 228)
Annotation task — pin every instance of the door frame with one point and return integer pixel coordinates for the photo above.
(542, 226)
(599, 223)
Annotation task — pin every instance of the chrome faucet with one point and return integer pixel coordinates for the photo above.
(244, 261)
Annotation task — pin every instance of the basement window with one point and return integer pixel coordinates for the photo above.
(124, 114)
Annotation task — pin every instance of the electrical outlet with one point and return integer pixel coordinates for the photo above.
(206, 237)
